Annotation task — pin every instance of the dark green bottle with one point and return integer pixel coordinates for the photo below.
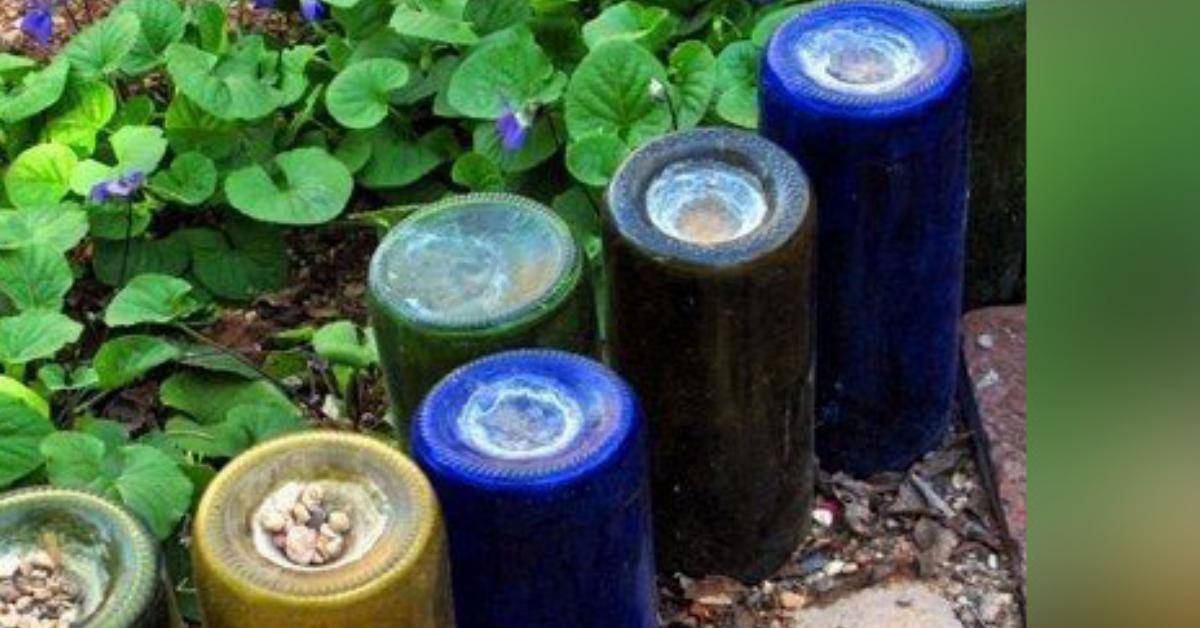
(100, 548)
(469, 276)
(995, 32)
(711, 237)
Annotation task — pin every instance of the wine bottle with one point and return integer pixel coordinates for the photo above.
(538, 458)
(710, 243)
(321, 529)
(871, 97)
(470, 276)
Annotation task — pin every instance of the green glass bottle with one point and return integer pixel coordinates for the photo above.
(469, 276)
(995, 31)
(710, 245)
(101, 564)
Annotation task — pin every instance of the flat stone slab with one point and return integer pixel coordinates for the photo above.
(896, 605)
(994, 345)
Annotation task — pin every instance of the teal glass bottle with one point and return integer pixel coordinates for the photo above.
(711, 236)
(469, 276)
(995, 32)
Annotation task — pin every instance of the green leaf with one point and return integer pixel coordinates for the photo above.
(191, 179)
(422, 86)
(138, 148)
(166, 256)
(142, 477)
(99, 49)
(650, 27)
(212, 359)
(56, 379)
(594, 159)
(122, 360)
(610, 94)
(21, 433)
(489, 16)
(209, 397)
(769, 23)
(358, 96)
(34, 335)
(316, 190)
(112, 433)
(190, 128)
(737, 84)
(580, 215)
(137, 111)
(476, 172)
(57, 227)
(211, 26)
(77, 119)
(14, 390)
(36, 93)
(394, 161)
(539, 146)
(432, 26)
(40, 175)
(246, 426)
(693, 72)
(35, 277)
(222, 86)
(13, 63)
(739, 106)
(86, 175)
(342, 342)
(162, 24)
(244, 261)
(509, 72)
(151, 298)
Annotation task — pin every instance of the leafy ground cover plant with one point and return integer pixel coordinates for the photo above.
(157, 172)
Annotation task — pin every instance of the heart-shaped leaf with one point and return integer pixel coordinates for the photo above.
(57, 227)
(142, 477)
(209, 397)
(191, 179)
(507, 73)
(35, 277)
(78, 117)
(489, 16)
(358, 96)
(540, 145)
(693, 72)
(36, 93)
(594, 159)
(246, 426)
(737, 84)
(150, 298)
(476, 172)
(40, 175)
(342, 342)
(21, 433)
(445, 27)
(35, 334)
(243, 261)
(315, 190)
(650, 27)
(610, 94)
(162, 24)
(227, 87)
(99, 49)
(122, 360)
(167, 256)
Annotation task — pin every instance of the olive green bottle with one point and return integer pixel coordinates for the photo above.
(469, 276)
(710, 245)
(995, 32)
(391, 569)
(109, 558)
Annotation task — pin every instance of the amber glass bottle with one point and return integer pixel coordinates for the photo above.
(391, 568)
(710, 248)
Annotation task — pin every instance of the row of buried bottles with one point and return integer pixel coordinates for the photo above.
(529, 503)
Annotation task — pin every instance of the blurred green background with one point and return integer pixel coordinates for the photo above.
(1114, 233)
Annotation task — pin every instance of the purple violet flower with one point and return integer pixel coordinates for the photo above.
(120, 188)
(38, 21)
(264, 4)
(312, 10)
(513, 129)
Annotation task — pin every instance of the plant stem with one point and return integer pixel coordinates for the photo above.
(127, 244)
(205, 340)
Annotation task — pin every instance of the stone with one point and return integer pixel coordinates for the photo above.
(897, 605)
(339, 521)
(998, 373)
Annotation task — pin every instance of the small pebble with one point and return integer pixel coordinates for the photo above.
(272, 522)
(985, 341)
(823, 517)
(300, 514)
(339, 521)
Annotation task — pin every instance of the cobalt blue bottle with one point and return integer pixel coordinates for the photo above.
(870, 97)
(538, 458)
